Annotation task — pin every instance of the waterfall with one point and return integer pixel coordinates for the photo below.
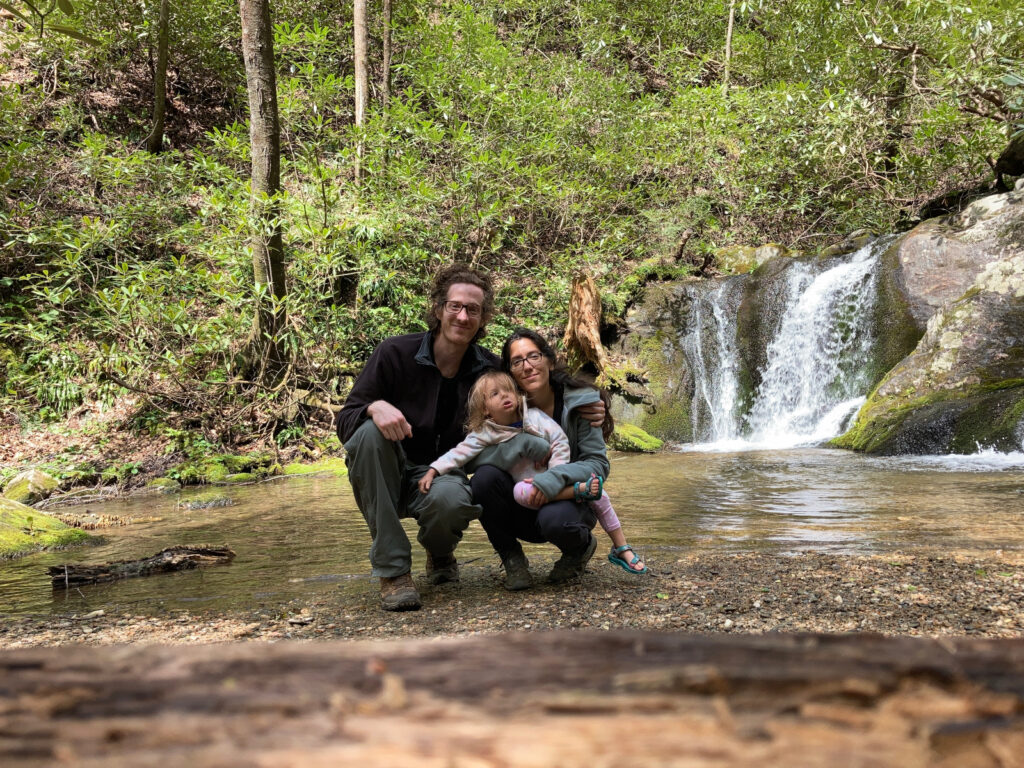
(816, 372)
(710, 348)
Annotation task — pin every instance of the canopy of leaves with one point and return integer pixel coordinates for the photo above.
(530, 137)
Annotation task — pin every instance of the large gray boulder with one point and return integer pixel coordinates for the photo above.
(963, 386)
(937, 261)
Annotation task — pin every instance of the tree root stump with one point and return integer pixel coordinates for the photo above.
(179, 558)
(521, 700)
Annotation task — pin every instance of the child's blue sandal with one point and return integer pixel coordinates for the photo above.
(614, 557)
(582, 492)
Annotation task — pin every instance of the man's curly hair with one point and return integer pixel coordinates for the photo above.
(445, 279)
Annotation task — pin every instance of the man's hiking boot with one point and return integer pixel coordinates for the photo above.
(442, 568)
(572, 566)
(399, 593)
(517, 571)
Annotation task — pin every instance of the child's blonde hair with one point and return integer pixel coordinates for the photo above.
(476, 409)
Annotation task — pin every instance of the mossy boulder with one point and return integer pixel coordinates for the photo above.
(963, 386)
(219, 467)
(241, 477)
(631, 439)
(24, 530)
(163, 485)
(30, 486)
(652, 345)
(330, 465)
(742, 259)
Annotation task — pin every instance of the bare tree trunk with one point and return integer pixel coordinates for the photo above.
(265, 137)
(385, 78)
(156, 138)
(728, 47)
(362, 85)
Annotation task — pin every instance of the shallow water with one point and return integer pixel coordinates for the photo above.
(303, 536)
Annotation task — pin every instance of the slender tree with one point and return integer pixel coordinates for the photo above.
(156, 138)
(265, 137)
(361, 77)
(728, 46)
(385, 76)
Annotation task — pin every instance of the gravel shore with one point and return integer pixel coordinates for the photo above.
(895, 594)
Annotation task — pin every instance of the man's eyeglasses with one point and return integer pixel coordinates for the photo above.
(454, 307)
(517, 362)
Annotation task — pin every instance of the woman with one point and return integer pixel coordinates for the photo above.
(567, 524)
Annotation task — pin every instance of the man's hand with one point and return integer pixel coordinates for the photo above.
(389, 420)
(427, 480)
(594, 413)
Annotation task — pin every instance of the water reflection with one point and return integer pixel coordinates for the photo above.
(305, 536)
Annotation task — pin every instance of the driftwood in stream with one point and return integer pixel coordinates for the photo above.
(562, 699)
(180, 558)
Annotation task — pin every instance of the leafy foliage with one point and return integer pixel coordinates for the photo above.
(529, 137)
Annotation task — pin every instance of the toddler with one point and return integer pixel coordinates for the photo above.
(497, 412)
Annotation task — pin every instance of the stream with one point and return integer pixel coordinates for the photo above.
(299, 537)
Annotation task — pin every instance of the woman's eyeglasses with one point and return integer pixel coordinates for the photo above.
(517, 362)
(454, 307)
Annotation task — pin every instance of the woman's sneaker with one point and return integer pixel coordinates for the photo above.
(517, 571)
(569, 567)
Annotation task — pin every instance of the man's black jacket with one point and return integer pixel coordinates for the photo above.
(401, 371)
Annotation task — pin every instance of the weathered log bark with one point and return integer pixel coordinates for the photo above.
(582, 343)
(180, 558)
(558, 699)
(582, 340)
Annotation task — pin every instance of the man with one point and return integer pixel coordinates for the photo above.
(407, 408)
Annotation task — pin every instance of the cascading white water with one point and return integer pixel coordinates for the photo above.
(816, 373)
(710, 348)
(817, 361)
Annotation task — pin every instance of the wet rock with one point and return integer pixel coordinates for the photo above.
(208, 500)
(163, 485)
(963, 386)
(30, 486)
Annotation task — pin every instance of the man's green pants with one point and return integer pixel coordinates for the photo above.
(386, 490)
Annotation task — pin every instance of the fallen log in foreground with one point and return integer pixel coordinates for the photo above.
(561, 699)
(180, 558)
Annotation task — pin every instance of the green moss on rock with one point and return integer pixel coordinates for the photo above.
(30, 486)
(632, 439)
(24, 530)
(332, 464)
(164, 485)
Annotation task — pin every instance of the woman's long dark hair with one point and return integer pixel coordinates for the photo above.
(559, 372)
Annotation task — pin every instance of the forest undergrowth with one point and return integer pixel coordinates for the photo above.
(539, 141)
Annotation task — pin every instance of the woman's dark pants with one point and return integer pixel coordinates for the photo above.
(565, 524)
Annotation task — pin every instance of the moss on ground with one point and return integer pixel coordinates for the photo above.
(24, 530)
(332, 464)
(632, 439)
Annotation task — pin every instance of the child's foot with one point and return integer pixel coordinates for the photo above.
(626, 558)
(589, 490)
